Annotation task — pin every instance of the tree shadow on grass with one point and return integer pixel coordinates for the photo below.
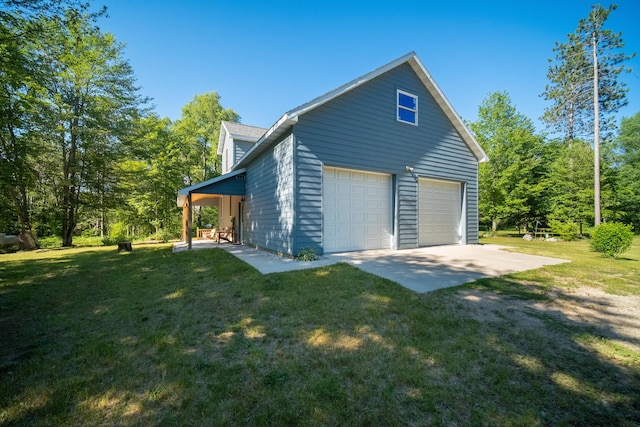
(200, 337)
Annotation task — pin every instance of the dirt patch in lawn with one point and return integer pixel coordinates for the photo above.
(613, 317)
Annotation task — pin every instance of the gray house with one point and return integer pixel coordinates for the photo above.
(383, 161)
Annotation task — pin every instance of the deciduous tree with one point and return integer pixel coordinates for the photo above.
(91, 99)
(510, 183)
(628, 147)
(198, 130)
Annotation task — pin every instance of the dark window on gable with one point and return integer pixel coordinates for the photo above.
(407, 108)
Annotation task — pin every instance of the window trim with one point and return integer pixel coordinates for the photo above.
(402, 107)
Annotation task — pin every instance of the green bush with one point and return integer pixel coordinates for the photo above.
(163, 235)
(565, 230)
(612, 239)
(307, 255)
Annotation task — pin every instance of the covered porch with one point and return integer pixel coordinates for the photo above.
(226, 192)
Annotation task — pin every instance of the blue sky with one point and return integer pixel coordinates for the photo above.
(267, 57)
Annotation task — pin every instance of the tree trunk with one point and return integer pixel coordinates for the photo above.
(596, 134)
(26, 239)
(70, 170)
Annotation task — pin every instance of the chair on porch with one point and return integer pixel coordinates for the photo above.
(225, 233)
(210, 234)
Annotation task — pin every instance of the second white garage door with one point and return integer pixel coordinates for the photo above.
(439, 214)
(357, 210)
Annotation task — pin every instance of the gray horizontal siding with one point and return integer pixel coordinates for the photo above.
(359, 130)
(308, 201)
(407, 212)
(269, 215)
(239, 149)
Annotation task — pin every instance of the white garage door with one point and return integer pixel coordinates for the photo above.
(357, 210)
(439, 214)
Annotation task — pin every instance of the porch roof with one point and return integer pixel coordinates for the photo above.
(230, 184)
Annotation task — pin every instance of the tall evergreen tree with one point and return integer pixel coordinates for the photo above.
(568, 91)
(585, 86)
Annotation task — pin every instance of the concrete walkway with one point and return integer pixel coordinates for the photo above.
(421, 270)
(263, 261)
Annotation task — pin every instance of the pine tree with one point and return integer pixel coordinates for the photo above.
(584, 85)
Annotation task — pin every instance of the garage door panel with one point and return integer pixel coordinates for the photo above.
(439, 212)
(358, 215)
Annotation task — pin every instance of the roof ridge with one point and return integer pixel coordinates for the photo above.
(243, 124)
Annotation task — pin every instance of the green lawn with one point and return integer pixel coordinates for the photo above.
(90, 336)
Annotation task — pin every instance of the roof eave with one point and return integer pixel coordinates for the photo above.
(448, 109)
(316, 102)
(184, 192)
(224, 132)
(277, 130)
(290, 118)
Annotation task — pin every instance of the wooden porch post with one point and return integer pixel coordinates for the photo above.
(185, 219)
(189, 221)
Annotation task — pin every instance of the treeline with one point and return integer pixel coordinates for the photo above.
(532, 181)
(80, 150)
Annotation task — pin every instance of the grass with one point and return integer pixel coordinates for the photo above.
(55, 242)
(90, 336)
(587, 268)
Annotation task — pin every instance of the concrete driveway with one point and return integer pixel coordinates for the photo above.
(436, 267)
(421, 270)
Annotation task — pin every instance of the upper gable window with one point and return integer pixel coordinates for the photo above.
(407, 107)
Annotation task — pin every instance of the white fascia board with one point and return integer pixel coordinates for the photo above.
(274, 131)
(222, 138)
(350, 85)
(448, 109)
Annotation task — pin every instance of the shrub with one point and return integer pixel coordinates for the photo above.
(108, 241)
(307, 255)
(163, 235)
(612, 239)
(118, 232)
(565, 230)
